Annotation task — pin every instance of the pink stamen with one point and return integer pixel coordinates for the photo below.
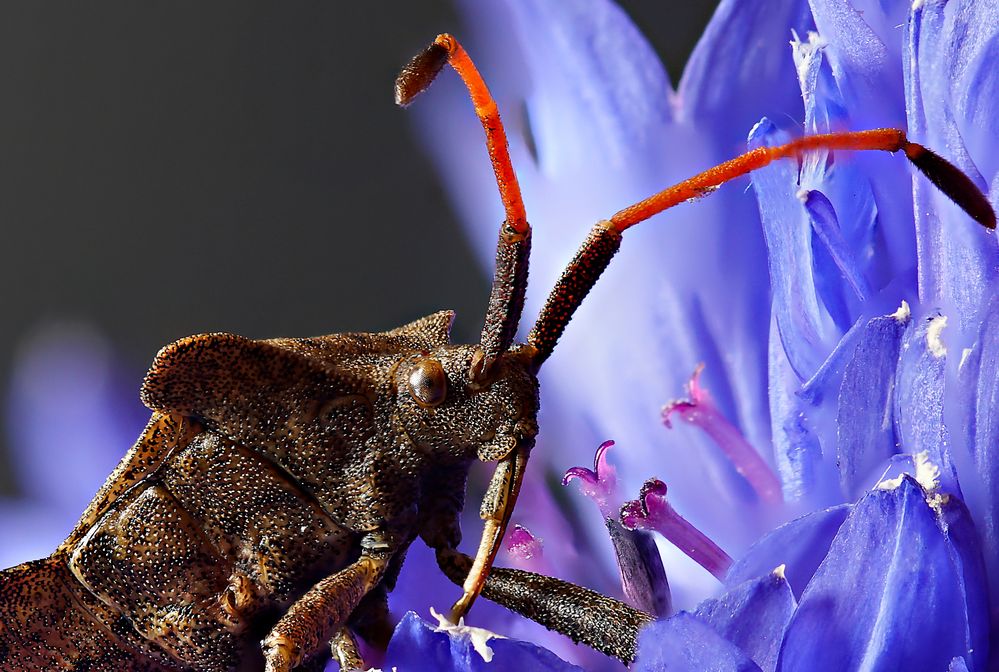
(651, 511)
(600, 483)
(525, 550)
(700, 410)
(522, 545)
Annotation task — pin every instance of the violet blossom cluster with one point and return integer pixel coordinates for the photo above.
(832, 471)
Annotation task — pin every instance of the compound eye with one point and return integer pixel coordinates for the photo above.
(427, 383)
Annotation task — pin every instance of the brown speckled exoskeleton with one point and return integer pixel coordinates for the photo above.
(263, 515)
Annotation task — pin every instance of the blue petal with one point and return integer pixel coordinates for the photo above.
(685, 644)
(919, 396)
(800, 545)
(805, 328)
(744, 46)
(888, 596)
(418, 646)
(826, 226)
(957, 665)
(955, 46)
(594, 78)
(967, 547)
(797, 450)
(958, 259)
(868, 72)
(976, 397)
(876, 231)
(753, 616)
(422, 585)
(866, 432)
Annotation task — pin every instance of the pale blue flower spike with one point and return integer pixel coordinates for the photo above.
(959, 262)
(721, 81)
(975, 410)
(918, 406)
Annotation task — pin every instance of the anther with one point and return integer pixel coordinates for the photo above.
(651, 511)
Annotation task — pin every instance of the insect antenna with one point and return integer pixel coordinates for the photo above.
(506, 301)
(605, 238)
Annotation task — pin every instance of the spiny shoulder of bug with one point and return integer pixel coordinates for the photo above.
(419, 392)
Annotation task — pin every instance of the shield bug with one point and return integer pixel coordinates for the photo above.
(263, 515)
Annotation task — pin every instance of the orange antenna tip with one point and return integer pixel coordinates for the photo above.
(420, 73)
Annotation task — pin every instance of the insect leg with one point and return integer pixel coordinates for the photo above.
(586, 616)
(371, 619)
(317, 616)
(497, 506)
(345, 651)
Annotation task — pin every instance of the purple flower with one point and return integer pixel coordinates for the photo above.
(841, 308)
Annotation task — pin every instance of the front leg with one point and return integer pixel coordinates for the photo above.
(601, 622)
(312, 621)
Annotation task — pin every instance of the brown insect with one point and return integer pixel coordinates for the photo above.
(263, 515)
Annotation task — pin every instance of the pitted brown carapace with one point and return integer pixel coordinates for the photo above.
(262, 517)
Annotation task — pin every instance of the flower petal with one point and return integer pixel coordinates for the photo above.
(919, 396)
(753, 616)
(969, 558)
(887, 596)
(866, 433)
(417, 646)
(957, 665)
(744, 44)
(958, 259)
(864, 67)
(800, 546)
(805, 328)
(805, 476)
(976, 414)
(955, 45)
(594, 76)
(683, 643)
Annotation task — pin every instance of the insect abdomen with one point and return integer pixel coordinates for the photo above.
(206, 553)
(48, 621)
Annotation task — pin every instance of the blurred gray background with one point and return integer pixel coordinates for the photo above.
(173, 168)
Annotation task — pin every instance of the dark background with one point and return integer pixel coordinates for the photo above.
(173, 168)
